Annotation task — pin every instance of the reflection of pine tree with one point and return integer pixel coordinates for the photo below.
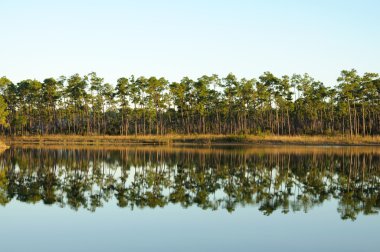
(209, 179)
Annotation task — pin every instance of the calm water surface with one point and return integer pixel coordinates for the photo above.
(150, 198)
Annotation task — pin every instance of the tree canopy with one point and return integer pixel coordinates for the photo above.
(269, 104)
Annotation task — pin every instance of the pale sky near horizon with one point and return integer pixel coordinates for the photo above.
(42, 38)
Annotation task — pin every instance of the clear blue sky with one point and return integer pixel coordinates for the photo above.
(44, 38)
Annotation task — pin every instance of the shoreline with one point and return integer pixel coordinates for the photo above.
(194, 140)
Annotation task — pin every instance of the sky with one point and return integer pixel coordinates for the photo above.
(174, 38)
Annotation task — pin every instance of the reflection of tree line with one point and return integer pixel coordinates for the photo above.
(210, 180)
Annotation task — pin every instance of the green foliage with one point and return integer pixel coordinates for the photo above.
(3, 112)
(287, 105)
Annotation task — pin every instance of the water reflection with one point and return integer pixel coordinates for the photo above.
(273, 179)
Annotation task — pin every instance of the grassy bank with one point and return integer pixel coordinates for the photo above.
(193, 139)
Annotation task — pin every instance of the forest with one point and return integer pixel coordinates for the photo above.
(287, 105)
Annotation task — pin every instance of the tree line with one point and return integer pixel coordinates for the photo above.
(286, 105)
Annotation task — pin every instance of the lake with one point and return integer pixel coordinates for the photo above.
(189, 198)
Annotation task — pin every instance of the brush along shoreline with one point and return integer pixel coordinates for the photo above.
(194, 139)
